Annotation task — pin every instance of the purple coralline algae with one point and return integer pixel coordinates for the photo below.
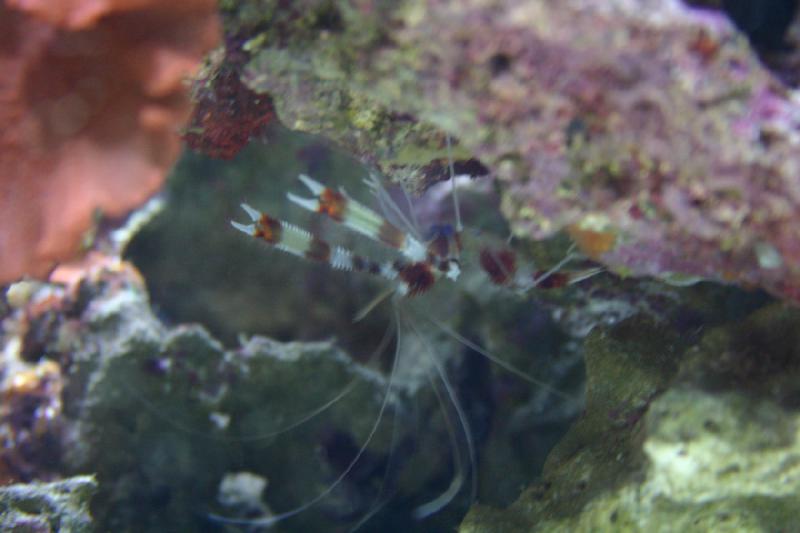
(649, 130)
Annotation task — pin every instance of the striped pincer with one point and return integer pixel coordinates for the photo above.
(422, 262)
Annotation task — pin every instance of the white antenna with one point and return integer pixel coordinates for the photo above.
(459, 226)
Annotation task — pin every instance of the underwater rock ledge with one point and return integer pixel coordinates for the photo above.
(697, 437)
(161, 414)
(175, 426)
(61, 506)
(650, 130)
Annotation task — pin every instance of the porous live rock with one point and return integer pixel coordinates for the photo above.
(57, 507)
(242, 494)
(650, 130)
(162, 414)
(31, 386)
(95, 383)
(700, 435)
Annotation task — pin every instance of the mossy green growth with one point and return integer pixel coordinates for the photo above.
(330, 69)
(677, 436)
(61, 506)
(313, 93)
(625, 368)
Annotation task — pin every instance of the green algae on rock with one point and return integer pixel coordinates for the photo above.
(676, 435)
(60, 506)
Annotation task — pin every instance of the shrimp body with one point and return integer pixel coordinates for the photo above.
(421, 263)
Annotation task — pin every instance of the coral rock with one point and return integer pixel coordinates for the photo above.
(652, 122)
(678, 435)
(61, 506)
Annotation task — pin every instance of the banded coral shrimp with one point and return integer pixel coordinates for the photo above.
(421, 267)
(232, 284)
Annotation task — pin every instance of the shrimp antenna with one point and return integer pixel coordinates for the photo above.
(388, 205)
(159, 413)
(375, 302)
(558, 266)
(436, 505)
(384, 342)
(505, 365)
(380, 499)
(269, 521)
(412, 212)
(451, 166)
